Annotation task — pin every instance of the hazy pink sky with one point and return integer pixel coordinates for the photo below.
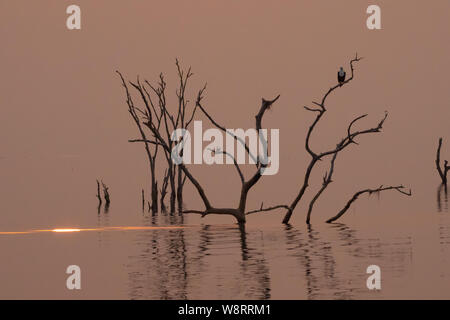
(64, 121)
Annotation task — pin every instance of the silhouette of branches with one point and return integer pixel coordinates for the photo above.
(160, 125)
(369, 191)
(320, 109)
(150, 113)
(156, 123)
(157, 116)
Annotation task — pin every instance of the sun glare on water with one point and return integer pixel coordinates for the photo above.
(66, 230)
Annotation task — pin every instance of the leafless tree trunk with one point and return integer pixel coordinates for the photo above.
(167, 121)
(183, 123)
(442, 170)
(151, 156)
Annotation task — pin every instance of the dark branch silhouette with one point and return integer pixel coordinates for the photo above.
(326, 181)
(369, 191)
(163, 120)
(106, 196)
(99, 197)
(262, 209)
(181, 120)
(246, 185)
(156, 123)
(151, 155)
(320, 110)
(442, 169)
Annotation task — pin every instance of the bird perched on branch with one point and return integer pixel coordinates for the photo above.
(341, 76)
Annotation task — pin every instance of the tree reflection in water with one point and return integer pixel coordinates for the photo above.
(206, 262)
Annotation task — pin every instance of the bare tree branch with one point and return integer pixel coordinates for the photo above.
(215, 123)
(265, 105)
(148, 115)
(236, 165)
(326, 181)
(281, 206)
(312, 109)
(146, 141)
(369, 191)
(345, 142)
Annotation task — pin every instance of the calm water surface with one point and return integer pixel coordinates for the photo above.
(197, 260)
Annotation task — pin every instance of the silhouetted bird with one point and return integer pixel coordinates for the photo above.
(341, 76)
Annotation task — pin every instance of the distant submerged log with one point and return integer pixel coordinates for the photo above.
(442, 170)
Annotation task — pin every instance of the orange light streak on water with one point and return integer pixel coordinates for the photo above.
(71, 230)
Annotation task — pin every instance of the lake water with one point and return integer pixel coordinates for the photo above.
(64, 123)
(198, 260)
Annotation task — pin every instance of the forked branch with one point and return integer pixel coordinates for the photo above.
(326, 181)
(320, 109)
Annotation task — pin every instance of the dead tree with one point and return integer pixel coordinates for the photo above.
(160, 92)
(369, 191)
(320, 109)
(136, 114)
(163, 138)
(165, 121)
(183, 123)
(246, 185)
(165, 142)
(442, 170)
(174, 120)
